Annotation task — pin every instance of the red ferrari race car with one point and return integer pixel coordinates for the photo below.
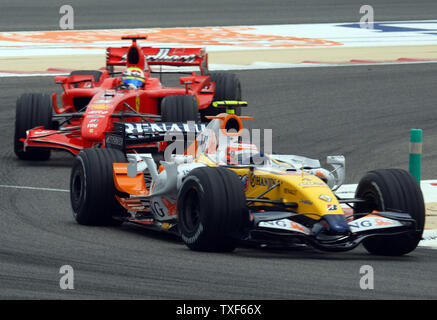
(92, 100)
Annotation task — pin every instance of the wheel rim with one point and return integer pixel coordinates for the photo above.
(372, 202)
(191, 211)
(77, 188)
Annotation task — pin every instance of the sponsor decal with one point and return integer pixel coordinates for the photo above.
(137, 103)
(311, 184)
(325, 197)
(286, 225)
(164, 206)
(262, 181)
(290, 191)
(108, 93)
(158, 209)
(331, 207)
(245, 182)
(100, 106)
(141, 128)
(92, 125)
(100, 112)
(163, 55)
(371, 222)
(171, 206)
(41, 132)
(304, 201)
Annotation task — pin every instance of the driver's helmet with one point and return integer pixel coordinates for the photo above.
(133, 77)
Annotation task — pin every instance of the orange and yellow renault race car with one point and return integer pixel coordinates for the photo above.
(222, 192)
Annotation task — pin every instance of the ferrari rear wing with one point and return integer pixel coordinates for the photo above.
(179, 57)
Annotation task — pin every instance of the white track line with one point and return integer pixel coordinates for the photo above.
(33, 188)
(429, 236)
(429, 188)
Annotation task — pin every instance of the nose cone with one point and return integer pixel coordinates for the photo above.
(336, 224)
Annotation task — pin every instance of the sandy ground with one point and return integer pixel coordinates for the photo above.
(42, 63)
(333, 55)
(336, 54)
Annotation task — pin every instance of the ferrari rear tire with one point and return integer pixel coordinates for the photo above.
(92, 190)
(179, 108)
(211, 209)
(227, 87)
(32, 110)
(392, 190)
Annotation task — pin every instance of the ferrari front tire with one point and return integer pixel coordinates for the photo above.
(391, 190)
(211, 209)
(92, 190)
(32, 110)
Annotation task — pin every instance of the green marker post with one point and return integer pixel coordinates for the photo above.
(415, 164)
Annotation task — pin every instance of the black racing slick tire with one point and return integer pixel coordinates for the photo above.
(212, 209)
(392, 190)
(32, 110)
(227, 87)
(179, 108)
(92, 190)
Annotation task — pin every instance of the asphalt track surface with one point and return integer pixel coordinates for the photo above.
(25, 15)
(362, 112)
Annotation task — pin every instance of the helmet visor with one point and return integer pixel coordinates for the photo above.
(137, 82)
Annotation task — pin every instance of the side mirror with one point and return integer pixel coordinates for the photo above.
(338, 163)
(60, 79)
